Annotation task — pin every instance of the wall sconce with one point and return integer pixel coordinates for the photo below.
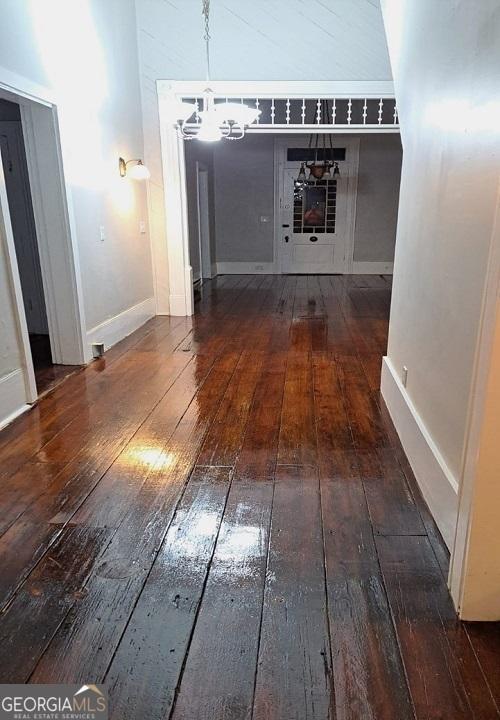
(139, 171)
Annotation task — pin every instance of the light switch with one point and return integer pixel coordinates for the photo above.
(142, 227)
(102, 232)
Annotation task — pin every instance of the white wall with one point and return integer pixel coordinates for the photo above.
(83, 56)
(85, 53)
(445, 59)
(244, 192)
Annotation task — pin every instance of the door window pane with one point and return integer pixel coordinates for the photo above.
(314, 206)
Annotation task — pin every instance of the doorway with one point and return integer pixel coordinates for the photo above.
(41, 264)
(22, 219)
(314, 220)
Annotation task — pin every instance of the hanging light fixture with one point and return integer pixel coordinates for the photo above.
(217, 121)
(320, 168)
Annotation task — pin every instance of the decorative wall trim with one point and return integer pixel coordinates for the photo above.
(12, 397)
(118, 327)
(245, 268)
(436, 481)
(361, 267)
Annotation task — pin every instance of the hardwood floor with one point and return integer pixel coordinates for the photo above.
(47, 375)
(218, 521)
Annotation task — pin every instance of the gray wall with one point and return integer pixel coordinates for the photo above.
(244, 192)
(379, 176)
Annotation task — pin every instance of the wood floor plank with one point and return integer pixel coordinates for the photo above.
(146, 668)
(87, 646)
(40, 607)
(485, 639)
(336, 455)
(368, 672)
(218, 678)
(393, 510)
(297, 439)
(444, 676)
(225, 436)
(257, 459)
(362, 410)
(29, 536)
(294, 669)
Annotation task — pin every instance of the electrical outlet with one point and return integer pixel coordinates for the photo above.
(142, 227)
(102, 233)
(404, 376)
(258, 268)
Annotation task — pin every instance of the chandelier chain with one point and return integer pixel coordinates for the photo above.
(206, 14)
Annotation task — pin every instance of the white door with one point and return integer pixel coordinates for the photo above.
(315, 220)
(313, 225)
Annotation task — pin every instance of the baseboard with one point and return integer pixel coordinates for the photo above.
(245, 268)
(361, 267)
(213, 270)
(436, 481)
(118, 327)
(12, 397)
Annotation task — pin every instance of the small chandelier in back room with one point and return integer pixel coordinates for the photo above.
(224, 120)
(323, 167)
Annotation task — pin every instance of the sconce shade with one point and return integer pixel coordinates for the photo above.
(139, 171)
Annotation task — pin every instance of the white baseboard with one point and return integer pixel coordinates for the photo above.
(436, 481)
(118, 327)
(213, 270)
(12, 397)
(245, 268)
(361, 267)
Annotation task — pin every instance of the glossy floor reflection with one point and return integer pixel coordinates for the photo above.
(217, 520)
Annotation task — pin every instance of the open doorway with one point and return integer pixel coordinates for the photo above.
(15, 168)
(263, 221)
(46, 326)
(22, 219)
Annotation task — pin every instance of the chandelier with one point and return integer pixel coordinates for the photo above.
(217, 120)
(322, 167)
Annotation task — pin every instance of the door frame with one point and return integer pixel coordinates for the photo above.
(202, 207)
(351, 164)
(178, 275)
(55, 229)
(6, 233)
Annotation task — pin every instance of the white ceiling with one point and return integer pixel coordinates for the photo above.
(265, 39)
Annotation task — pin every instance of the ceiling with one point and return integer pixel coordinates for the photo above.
(265, 39)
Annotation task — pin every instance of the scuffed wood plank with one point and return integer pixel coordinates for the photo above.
(147, 665)
(444, 676)
(294, 671)
(368, 672)
(218, 679)
(297, 439)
